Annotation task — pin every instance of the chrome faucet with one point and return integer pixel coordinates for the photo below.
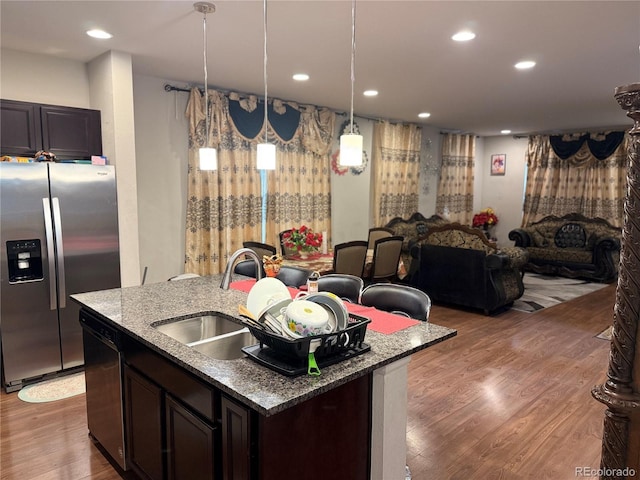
(226, 277)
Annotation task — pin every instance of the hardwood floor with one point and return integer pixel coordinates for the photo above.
(508, 398)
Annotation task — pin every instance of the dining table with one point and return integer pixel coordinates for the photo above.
(323, 263)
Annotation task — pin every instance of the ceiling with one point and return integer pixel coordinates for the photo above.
(583, 50)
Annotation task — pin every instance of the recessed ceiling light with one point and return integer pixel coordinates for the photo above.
(370, 93)
(525, 65)
(424, 115)
(463, 36)
(505, 132)
(301, 77)
(99, 34)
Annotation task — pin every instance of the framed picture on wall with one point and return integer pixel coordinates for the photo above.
(498, 164)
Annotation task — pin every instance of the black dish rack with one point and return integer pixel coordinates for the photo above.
(290, 357)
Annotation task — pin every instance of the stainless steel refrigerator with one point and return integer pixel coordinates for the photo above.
(59, 233)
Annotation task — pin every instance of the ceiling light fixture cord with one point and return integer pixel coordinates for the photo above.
(353, 58)
(206, 93)
(266, 125)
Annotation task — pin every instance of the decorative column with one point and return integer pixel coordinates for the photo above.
(621, 392)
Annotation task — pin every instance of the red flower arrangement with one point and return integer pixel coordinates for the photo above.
(485, 218)
(302, 239)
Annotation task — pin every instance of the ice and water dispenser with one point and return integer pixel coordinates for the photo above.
(24, 258)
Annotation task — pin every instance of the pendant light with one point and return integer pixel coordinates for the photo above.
(351, 143)
(208, 155)
(266, 151)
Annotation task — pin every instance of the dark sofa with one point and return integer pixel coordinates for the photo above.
(413, 229)
(572, 246)
(459, 266)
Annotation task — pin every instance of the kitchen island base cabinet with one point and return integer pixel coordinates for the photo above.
(325, 437)
(190, 444)
(144, 408)
(236, 443)
(167, 439)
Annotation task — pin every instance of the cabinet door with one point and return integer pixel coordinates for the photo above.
(144, 419)
(236, 445)
(72, 133)
(190, 444)
(20, 132)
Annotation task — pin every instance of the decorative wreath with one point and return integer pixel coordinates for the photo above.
(335, 166)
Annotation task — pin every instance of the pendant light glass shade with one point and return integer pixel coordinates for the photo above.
(266, 156)
(350, 150)
(208, 159)
(351, 143)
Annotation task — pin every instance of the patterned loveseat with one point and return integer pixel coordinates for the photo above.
(413, 230)
(458, 265)
(572, 246)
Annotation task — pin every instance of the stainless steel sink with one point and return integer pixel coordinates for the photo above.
(213, 335)
(195, 329)
(226, 347)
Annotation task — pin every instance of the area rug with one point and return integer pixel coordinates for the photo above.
(54, 389)
(543, 291)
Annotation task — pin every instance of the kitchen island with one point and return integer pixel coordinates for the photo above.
(258, 417)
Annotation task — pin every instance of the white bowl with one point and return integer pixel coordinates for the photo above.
(335, 304)
(265, 292)
(306, 319)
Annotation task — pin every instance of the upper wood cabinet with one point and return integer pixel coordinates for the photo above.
(69, 133)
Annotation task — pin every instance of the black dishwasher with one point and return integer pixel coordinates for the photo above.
(103, 375)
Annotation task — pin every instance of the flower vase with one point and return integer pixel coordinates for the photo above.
(304, 255)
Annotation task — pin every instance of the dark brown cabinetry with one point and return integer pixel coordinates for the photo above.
(144, 429)
(190, 444)
(236, 444)
(70, 133)
(180, 427)
(170, 424)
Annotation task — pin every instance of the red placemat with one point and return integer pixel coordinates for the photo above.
(245, 286)
(382, 322)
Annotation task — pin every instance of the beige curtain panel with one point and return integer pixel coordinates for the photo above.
(224, 207)
(455, 188)
(579, 184)
(396, 171)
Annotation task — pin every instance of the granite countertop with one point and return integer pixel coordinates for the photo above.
(134, 309)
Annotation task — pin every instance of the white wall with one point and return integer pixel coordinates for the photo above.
(111, 88)
(162, 161)
(504, 194)
(43, 79)
(430, 161)
(350, 202)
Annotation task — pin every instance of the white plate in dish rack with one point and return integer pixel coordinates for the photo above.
(265, 292)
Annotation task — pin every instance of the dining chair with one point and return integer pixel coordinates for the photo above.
(386, 256)
(399, 299)
(293, 276)
(285, 252)
(262, 249)
(347, 287)
(247, 268)
(350, 257)
(377, 233)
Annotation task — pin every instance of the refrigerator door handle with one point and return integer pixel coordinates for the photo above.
(57, 222)
(48, 228)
